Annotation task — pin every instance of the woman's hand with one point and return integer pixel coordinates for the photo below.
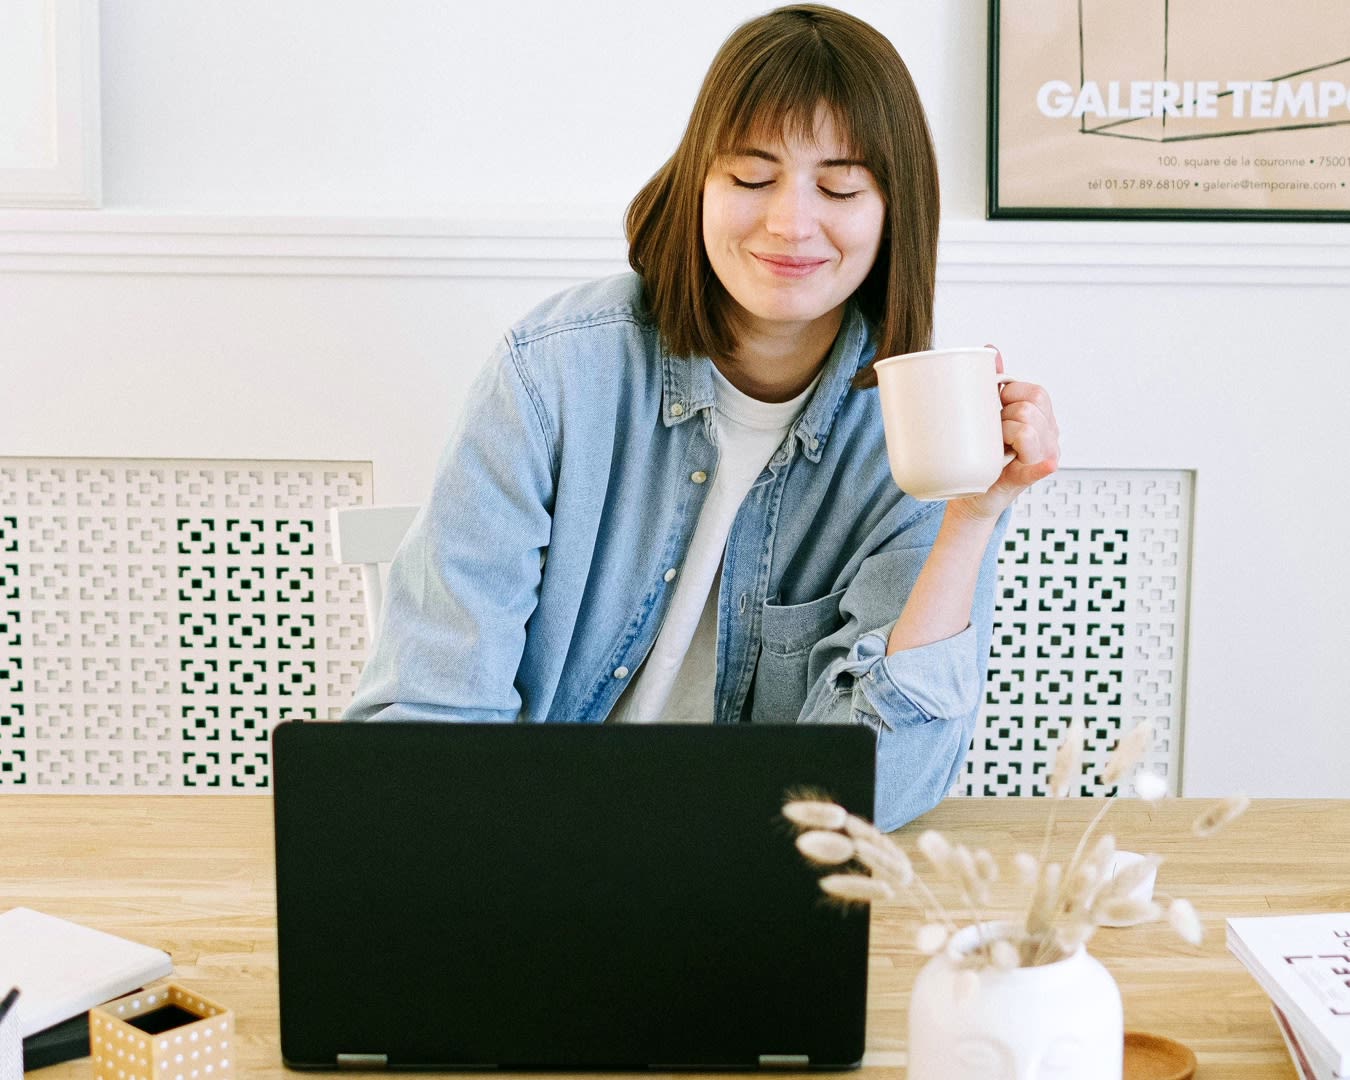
(1032, 434)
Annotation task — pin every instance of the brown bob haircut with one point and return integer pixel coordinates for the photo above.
(770, 76)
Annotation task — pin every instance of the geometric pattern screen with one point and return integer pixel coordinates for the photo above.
(159, 618)
(1090, 628)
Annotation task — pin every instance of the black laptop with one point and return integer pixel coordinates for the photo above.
(563, 897)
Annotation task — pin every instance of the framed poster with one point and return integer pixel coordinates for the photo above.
(1236, 109)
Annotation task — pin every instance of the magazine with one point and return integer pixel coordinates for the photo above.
(1303, 963)
(1305, 1068)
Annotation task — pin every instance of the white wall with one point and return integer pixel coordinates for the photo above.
(318, 216)
(419, 107)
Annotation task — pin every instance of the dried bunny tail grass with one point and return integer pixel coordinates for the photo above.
(1004, 955)
(1072, 936)
(931, 938)
(936, 848)
(1081, 888)
(1182, 918)
(862, 829)
(857, 888)
(825, 848)
(1028, 868)
(1129, 751)
(1068, 761)
(1120, 910)
(986, 866)
(963, 861)
(885, 859)
(961, 867)
(1041, 913)
(1220, 814)
(815, 814)
(1103, 851)
(1149, 786)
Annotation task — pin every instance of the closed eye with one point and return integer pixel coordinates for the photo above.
(755, 185)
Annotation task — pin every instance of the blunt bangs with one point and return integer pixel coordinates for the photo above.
(782, 97)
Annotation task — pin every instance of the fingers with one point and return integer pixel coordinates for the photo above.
(1032, 413)
(1028, 403)
(1028, 392)
(1030, 429)
(1032, 443)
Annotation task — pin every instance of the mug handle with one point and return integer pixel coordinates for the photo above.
(1001, 377)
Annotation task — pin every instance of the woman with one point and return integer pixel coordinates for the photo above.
(669, 496)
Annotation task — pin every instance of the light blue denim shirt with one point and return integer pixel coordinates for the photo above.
(534, 581)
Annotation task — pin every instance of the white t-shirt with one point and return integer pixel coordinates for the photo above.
(676, 684)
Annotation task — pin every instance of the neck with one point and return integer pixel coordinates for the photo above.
(777, 362)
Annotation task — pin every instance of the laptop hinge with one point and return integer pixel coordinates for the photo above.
(362, 1061)
(783, 1061)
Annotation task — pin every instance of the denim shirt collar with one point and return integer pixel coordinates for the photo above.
(687, 385)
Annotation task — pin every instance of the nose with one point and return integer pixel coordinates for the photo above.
(790, 213)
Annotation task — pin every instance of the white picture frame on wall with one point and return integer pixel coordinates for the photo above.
(50, 145)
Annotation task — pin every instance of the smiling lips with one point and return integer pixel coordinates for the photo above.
(790, 266)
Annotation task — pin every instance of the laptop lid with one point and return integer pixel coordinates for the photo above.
(562, 896)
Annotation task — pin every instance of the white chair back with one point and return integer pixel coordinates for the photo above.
(368, 536)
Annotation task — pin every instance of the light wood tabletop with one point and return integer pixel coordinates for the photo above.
(193, 875)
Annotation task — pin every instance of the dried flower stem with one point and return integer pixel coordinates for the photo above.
(912, 884)
(1042, 863)
(1072, 867)
(934, 906)
(1069, 901)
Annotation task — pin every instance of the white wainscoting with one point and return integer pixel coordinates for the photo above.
(1217, 350)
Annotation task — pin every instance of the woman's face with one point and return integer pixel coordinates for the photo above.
(791, 227)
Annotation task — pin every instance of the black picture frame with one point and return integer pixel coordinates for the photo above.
(1214, 191)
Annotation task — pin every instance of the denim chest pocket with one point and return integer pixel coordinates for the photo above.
(788, 633)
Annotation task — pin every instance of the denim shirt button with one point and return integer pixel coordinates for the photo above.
(670, 574)
(698, 477)
(815, 444)
(621, 673)
(677, 409)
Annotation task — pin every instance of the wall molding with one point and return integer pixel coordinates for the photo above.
(140, 242)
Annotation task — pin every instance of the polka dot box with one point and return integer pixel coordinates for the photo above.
(163, 1033)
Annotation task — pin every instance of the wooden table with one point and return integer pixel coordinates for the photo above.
(193, 875)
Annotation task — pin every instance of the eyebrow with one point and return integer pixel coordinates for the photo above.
(824, 163)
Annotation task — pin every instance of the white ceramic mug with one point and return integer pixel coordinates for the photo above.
(942, 412)
(1143, 892)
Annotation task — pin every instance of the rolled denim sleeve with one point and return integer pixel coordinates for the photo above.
(923, 702)
(466, 578)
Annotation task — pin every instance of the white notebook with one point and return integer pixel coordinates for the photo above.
(63, 969)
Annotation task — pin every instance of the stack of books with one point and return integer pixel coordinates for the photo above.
(61, 970)
(1303, 963)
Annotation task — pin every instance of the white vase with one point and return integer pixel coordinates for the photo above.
(1060, 1021)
